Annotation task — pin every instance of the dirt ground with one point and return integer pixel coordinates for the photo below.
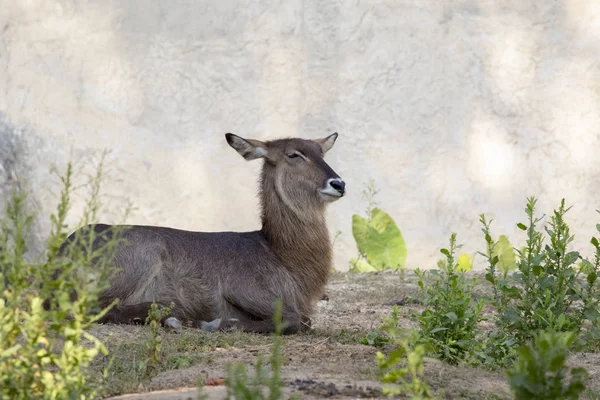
(328, 362)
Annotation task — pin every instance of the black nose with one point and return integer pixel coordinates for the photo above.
(338, 185)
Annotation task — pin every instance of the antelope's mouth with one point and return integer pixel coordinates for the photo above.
(330, 194)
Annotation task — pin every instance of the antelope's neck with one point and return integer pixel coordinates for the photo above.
(300, 240)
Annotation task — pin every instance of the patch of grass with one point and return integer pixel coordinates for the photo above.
(180, 361)
(126, 368)
(261, 385)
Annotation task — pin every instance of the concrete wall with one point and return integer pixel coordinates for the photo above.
(453, 107)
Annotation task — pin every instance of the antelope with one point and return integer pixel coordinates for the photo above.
(224, 280)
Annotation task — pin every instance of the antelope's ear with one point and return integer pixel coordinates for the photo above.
(327, 143)
(250, 149)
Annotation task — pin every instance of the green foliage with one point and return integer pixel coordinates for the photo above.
(449, 322)
(403, 368)
(547, 291)
(180, 361)
(540, 371)
(361, 265)
(507, 258)
(45, 353)
(591, 336)
(379, 241)
(261, 385)
(375, 339)
(154, 342)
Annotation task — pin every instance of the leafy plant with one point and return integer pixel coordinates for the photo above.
(379, 241)
(44, 353)
(181, 361)
(375, 339)
(402, 370)
(547, 291)
(449, 322)
(154, 343)
(540, 371)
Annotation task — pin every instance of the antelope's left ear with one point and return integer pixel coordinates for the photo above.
(327, 143)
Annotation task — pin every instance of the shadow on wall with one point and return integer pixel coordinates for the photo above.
(14, 178)
(512, 112)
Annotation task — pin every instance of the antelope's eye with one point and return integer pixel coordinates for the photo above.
(293, 155)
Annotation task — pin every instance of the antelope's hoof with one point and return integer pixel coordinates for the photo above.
(305, 324)
(211, 326)
(173, 323)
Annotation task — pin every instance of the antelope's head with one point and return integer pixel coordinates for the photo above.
(300, 175)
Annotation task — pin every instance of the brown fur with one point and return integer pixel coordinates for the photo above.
(234, 278)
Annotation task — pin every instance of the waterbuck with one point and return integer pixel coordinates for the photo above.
(224, 280)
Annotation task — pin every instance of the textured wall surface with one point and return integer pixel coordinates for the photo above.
(453, 107)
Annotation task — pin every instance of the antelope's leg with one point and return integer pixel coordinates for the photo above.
(292, 324)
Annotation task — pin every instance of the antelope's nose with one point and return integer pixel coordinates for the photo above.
(338, 185)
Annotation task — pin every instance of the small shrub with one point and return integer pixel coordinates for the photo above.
(547, 290)
(540, 371)
(46, 353)
(449, 322)
(154, 342)
(379, 241)
(402, 369)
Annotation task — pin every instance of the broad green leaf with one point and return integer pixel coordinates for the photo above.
(507, 259)
(361, 266)
(385, 245)
(464, 263)
(360, 229)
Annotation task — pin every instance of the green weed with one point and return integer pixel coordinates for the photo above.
(375, 339)
(154, 342)
(540, 371)
(448, 325)
(402, 369)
